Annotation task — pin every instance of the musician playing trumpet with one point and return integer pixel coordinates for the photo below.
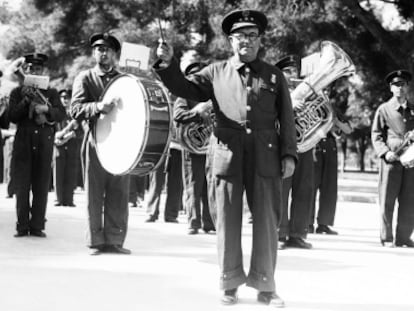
(392, 121)
(67, 155)
(34, 112)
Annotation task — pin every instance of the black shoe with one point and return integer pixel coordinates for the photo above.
(270, 298)
(325, 229)
(229, 297)
(192, 231)
(387, 243)
(151, 219)
(133, 204)
(58, 204)
(281, 245)
(407, 243)
(311, 229)
(71, 204)
(298, 243)
(207, 230)
(21, 233)
(172, 220)
(117, 249)
(37, 233)
(97, 250)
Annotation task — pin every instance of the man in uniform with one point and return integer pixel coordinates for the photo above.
(252, 148)
(66, 155)
(326, 175)
(392, 127)
(33, 147)
(295, 220)
(107, 195)
(194, 164)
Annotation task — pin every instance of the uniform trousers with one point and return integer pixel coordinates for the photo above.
(65, 172)
(32, 158)
(295, 222)
(107, 202)
(326, 181)
(263, 191)
(174, 188)
(195, 191)
(396, 183)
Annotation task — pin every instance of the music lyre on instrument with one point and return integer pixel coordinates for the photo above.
(133, 138)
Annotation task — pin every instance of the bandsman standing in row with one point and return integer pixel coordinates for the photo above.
(35, 112)
(393, 127)
(107, 194)
(295, 218)
(194, 164)
(66, 155)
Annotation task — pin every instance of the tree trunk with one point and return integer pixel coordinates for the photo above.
(387, 42)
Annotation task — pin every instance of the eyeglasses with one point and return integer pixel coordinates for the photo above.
(243, 36)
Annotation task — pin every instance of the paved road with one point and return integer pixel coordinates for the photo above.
(169, 270)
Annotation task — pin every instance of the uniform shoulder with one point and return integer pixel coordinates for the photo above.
(83, 74)
(219, 64)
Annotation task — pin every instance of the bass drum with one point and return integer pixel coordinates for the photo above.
(133, 138)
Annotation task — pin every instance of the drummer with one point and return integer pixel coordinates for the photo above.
(107, 195)
(393, 125)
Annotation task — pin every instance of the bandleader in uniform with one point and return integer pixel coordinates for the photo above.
(392, 124)
(252, 148)
(107, 194)
(33, 147)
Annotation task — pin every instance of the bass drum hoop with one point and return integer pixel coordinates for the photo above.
(133, 169)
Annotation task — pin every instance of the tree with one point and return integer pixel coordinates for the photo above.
(61, 28)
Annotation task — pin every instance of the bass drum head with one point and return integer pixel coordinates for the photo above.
(407, 158)
(116, 151)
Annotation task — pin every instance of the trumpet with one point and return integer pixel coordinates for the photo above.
(67, 133)
(31, 86)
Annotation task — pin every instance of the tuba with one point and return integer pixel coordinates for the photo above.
(315, 119)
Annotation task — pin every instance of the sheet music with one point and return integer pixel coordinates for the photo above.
(40, 82)
(309, 64)
(134, 55)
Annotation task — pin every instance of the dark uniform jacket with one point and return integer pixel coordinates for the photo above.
(390, 124)
(264, 105)
(19, 108)
(87, 90)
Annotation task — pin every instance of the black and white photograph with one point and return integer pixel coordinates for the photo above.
(206, 155)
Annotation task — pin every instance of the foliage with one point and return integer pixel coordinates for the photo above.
(61, 28)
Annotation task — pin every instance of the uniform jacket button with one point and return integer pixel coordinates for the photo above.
(248, 108)
(248, 131)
